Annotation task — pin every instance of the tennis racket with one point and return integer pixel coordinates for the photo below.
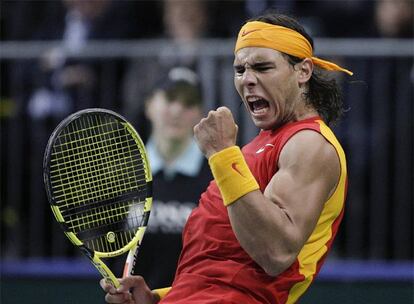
(99, 185)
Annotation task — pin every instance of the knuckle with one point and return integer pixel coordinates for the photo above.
(108, 298)
(223, 109)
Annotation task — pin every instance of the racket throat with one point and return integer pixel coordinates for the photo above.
(100, 266)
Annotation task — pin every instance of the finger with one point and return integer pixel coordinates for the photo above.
(130, 282)
(223, 109)
(119, 298)
(198, 126)
(235, 133)
(210, 114)
(203, 121)
(107, 287)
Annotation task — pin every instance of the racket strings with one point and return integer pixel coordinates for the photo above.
(103, 188)
(92, 234)
(88, 220)
(89, 141)
(97, 160)
(111, 215)
(101, 244)
(107, 172)
(98, 173)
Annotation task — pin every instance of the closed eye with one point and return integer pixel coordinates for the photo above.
(262, 67)
(259, 67)
(239, 69)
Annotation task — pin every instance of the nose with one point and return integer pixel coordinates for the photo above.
(249, 78)
(176, 108)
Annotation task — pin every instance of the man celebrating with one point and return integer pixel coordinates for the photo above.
(266, 223)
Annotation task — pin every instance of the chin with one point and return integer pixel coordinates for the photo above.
(262, 125)
(265, 124)
(177, 136)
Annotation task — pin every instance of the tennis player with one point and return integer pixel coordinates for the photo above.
(266, 223)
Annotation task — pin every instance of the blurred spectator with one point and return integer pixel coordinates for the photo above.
(394, 18)
(185, 22)
(180, 172)
(50, 87)
(62, 82)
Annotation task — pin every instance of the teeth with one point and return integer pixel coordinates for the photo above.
(257, 105)
(253, 98)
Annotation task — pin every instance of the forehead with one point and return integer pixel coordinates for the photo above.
(257, 54)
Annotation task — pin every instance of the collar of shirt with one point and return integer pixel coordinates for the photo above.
(188, 163)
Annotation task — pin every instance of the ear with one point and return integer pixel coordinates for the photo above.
(305, 70)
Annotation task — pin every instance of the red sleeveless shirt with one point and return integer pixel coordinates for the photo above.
(213, 268)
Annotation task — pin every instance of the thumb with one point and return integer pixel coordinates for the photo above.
(235, 134)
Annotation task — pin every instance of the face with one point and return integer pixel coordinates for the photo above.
(172, 120)
(184, 19)
(393, 17)
(270, 87)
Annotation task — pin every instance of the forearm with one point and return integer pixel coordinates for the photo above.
(265, 231)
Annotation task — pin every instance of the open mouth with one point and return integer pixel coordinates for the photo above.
(258, 105)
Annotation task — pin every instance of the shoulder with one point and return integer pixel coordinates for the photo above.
(308, 144)
(309, 149)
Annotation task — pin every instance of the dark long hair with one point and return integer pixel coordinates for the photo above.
(323, 93)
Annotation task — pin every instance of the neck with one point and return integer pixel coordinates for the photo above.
(170, 150)
(305, 113)
(302, 109)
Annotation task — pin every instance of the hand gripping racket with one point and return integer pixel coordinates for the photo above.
(99, 185)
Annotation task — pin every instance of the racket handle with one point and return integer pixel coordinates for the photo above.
(133, 254)
(130, 262)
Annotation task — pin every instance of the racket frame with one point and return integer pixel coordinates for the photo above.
(133, 246)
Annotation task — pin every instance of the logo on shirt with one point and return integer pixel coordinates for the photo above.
(263, 148)
(234, 166)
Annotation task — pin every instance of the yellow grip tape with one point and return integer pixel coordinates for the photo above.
(232, 175)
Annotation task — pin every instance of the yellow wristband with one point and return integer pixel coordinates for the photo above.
(232, 175)
(161, 292)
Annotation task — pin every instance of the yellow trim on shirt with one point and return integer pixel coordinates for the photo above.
(315, 247)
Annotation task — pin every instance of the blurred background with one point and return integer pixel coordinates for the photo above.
(57, 57)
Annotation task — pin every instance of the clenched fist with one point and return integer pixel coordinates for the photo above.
(216, 132)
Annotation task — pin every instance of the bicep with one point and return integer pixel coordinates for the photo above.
(307, 176)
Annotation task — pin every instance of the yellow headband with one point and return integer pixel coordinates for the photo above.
(282, 39)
